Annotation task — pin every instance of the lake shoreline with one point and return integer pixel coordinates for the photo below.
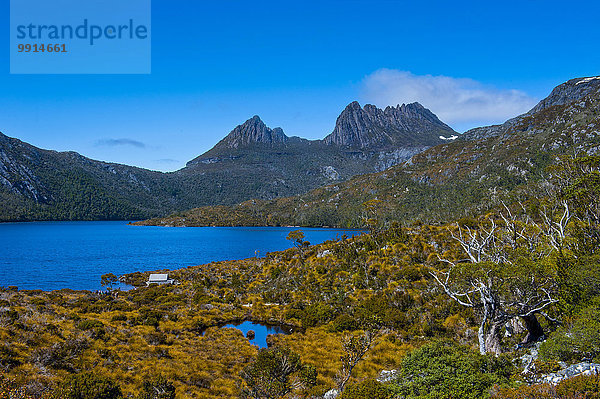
(51, 256)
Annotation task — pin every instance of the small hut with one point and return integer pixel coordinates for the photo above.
(159, 279)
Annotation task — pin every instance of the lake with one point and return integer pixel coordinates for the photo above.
(55, 255)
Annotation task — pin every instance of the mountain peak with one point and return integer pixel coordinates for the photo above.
(253, 131)
(391, 128)
(569, 92)
(354, 105)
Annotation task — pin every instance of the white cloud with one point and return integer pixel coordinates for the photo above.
(120, 142)
(462, 103)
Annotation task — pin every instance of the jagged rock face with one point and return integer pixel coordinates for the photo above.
(253, 131)
(15, 175)
(401, 126)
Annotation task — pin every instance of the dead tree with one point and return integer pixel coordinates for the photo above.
(502, 274)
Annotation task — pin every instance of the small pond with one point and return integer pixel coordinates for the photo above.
(260, 331)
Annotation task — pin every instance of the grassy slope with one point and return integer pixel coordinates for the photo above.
(133, 335)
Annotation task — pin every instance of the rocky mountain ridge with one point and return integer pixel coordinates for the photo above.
(569, 92)
(373, 128)
(252, 161)
(465, 177)
(255, 161)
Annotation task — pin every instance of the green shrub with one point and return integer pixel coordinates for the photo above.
(61, 355)
(156, 338)
(270, 374)
(89, 324)
(8, 357)
(444, 369)
(13, 315)
(344, 322)
(157, 388)
(119, 317)
(38, 301)
(95, 328)
(578, 341)
(308, 375)
(316, 314)
(88, 386)
(150, 317)
(580, 387)
(367, 389)
(585, 386)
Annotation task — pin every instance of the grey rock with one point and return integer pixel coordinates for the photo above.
(330, 173)
(388, 159)
(253, 131)
(388, 375)
(568, 92)
(401, 126)
(527, 360)
(331, 394)
(583, 368)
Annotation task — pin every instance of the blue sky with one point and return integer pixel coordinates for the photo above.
(297, 65)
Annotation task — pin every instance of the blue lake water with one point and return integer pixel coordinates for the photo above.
(55, 255)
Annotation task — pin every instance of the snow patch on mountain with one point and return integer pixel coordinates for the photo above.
(586, 80)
